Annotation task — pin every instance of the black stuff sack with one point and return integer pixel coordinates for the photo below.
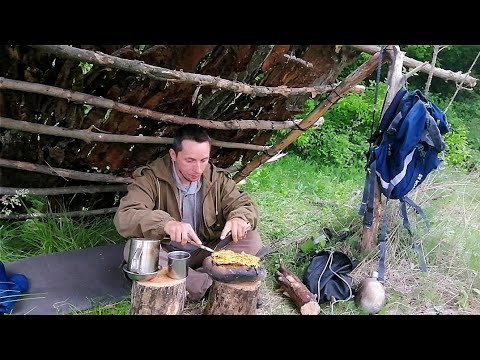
(328, 277)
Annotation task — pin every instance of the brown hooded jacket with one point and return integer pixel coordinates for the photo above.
(152, 200)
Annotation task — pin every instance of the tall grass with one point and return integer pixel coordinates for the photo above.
(38, 236)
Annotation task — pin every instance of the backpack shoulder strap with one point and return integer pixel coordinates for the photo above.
(406, 223)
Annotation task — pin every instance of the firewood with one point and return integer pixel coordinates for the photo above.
(303, 299)
(233, 298)
(158, 296)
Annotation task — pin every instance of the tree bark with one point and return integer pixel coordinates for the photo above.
(159, 296)
(358, 75)
(303, 299)
(159, 73)
(64, 173)
(370, 234)
(412, 63)
(89, 136)
(233, 298)
(239, 124)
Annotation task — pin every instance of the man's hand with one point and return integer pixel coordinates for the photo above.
(181, 232)
(238, 227)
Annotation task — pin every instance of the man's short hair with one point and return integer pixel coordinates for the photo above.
(189, 132)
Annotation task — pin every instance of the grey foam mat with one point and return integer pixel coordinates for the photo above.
(71, 281)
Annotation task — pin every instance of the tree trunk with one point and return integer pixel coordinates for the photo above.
(233, 298)
(159, 296)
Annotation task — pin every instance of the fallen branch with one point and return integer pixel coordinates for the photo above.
(303, 299)
(92, 189)
(68, 213)
(354, 78)
(146, 113)
(71, 174)
(88, 135)
(159, 73)
(412, 63)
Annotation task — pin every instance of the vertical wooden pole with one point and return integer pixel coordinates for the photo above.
(370, 234)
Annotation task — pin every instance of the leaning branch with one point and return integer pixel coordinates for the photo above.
(159, 73)
(89, 189)
(88, 135)
(67, 174)
(354, 78)
(412, 63)
(145, 113)
(66, 214)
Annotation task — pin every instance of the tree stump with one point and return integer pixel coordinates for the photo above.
(233, 298)
(158, 296)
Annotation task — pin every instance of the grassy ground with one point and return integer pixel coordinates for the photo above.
(297, 200)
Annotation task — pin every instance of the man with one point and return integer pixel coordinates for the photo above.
(184, 196)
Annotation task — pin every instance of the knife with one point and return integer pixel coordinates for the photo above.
(167, 241)
(203, 247)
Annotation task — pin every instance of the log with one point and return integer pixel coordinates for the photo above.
(159, 296)
(88, 135)
(353, 79)
(64, 173)
(159, 73)
(233, 298)
(303, 299)
(437, 72)
(238, 124)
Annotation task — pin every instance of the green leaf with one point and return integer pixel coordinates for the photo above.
(308, 246)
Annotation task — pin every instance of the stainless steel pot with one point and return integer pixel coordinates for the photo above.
(143, 256)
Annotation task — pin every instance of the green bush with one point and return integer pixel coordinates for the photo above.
(459, 150)
(343, 139)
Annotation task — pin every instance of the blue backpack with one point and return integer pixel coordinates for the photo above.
(404, 151)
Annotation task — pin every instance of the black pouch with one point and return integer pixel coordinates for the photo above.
(328, 277)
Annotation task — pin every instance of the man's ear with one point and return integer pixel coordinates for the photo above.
(173, 155)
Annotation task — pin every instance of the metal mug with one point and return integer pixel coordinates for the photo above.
(143, 256)
(178, 264)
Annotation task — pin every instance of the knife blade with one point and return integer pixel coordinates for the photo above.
(203, 247)
(168, 241)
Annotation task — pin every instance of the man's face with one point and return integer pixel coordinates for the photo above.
(192, 160)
